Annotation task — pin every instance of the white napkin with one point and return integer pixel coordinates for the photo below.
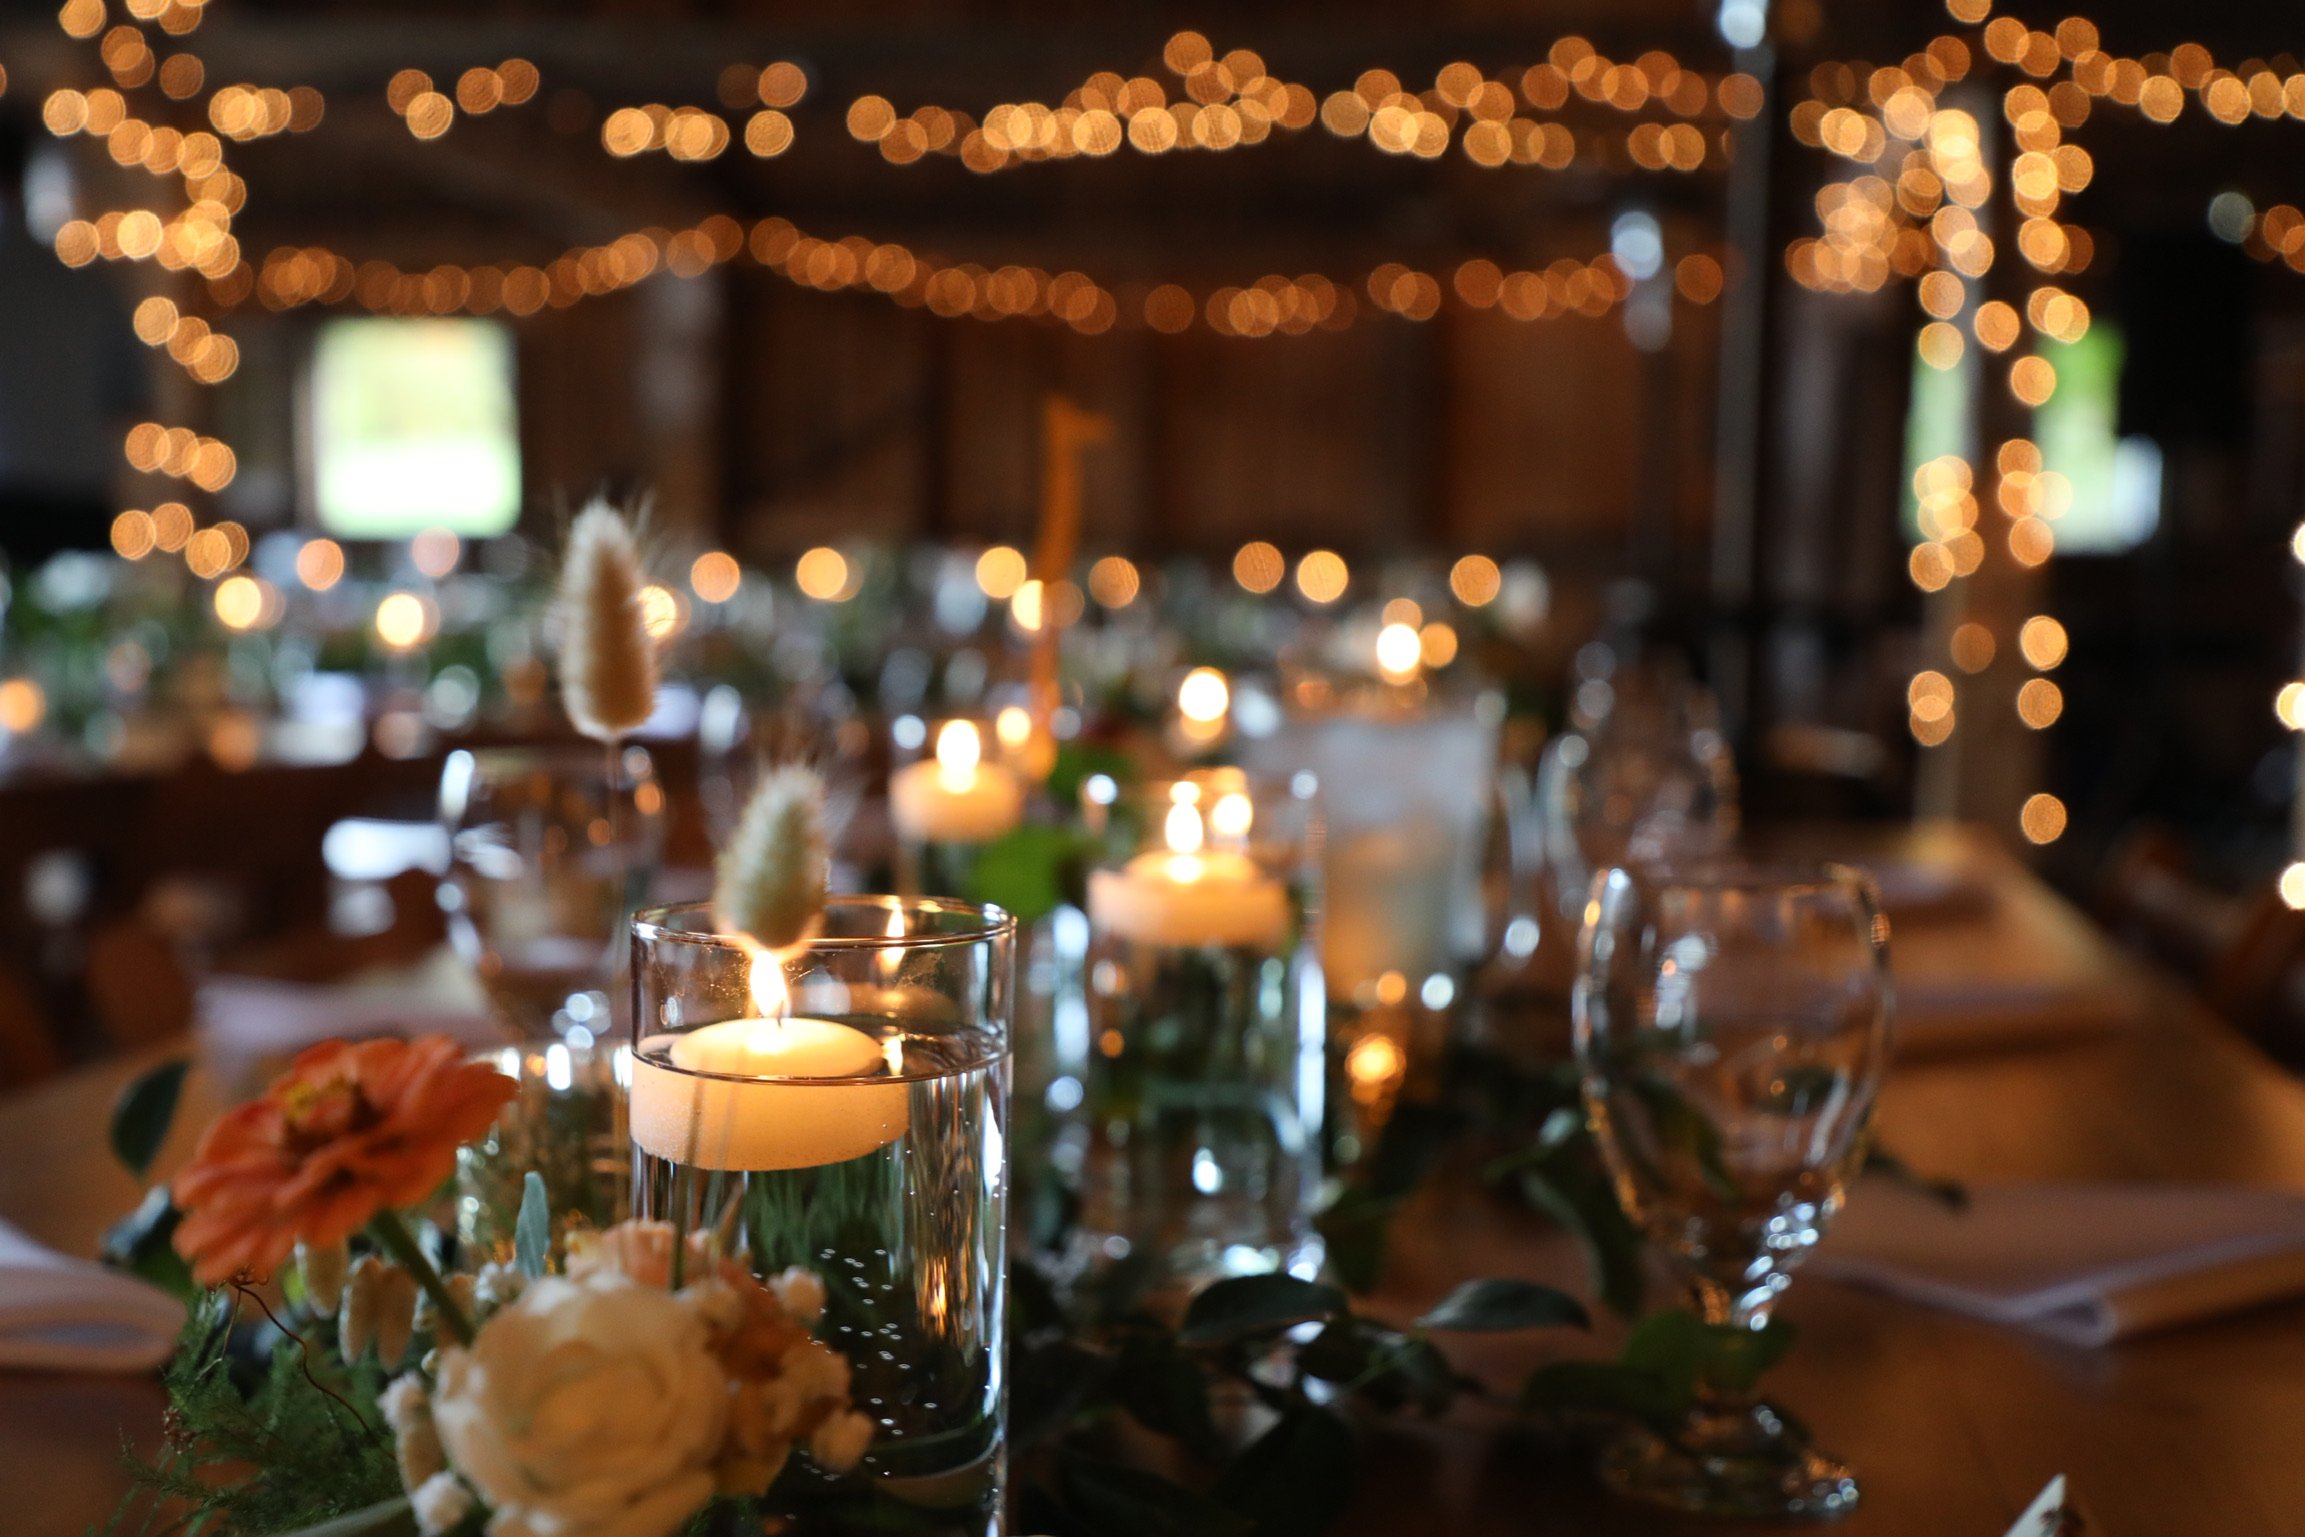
(2085, 1263)
(73, 1315)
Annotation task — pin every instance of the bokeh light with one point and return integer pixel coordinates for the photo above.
(1259, 567)
(1322, 576)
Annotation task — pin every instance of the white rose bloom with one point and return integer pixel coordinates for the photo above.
(836, 1444)
(439, 1503)
(802, 1294)
(590, 1410)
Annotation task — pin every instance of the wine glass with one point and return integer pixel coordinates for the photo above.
(1732, 1024)
(550, 849)
(1646, 774)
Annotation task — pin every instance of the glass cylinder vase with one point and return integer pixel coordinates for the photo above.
(1207, 1031)
(844, 1109)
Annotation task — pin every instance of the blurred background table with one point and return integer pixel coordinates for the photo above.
(1952, 1425)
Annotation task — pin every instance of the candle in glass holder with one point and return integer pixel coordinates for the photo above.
(1190, 894)
(956, 797)
(774, 1091)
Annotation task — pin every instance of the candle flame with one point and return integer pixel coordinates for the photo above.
(1013, 726)
(958, 751)
(1183, 829)
(1232, 815)
(890, 962)
(771, 995)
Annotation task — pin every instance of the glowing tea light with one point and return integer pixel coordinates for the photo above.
(1191, 895)
(957, 798)
(775, 1091)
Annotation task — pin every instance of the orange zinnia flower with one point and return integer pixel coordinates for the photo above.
(346, 1132)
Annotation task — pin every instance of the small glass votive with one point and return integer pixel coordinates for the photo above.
(845, 1110)
(550, 850)
(957, 794)
(1204, 1079)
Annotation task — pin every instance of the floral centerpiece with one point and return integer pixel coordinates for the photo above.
(617, 1389)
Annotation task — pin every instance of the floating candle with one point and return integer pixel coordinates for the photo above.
(957, 798)
(771, 1092)
(1190, 895)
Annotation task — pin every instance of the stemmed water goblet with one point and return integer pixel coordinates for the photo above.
(1732, 1025)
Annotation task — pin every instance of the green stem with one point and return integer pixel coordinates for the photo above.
(392, 1234)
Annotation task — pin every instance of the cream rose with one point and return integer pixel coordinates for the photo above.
(590, 1409)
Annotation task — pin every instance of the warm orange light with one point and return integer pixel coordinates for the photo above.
(2043, 819)
(1000, 571)
(1322, 576)
(1259, 567)
(715, 576)
(822, 573)
(320, 564)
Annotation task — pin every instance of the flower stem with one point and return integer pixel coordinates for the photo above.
(387, 1228)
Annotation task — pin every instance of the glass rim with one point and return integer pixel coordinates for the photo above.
(995, 922)
(555, 752)
(1263, 786)
(1743, 872)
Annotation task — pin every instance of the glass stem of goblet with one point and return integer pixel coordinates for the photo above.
(1722, 1307)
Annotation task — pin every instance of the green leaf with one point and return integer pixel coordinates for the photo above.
(144, 1112)
(1565, 1186)
(1735, 1358)
(1296, 1479)
(1601, 1388)
(532, 1229)
(391, 1518)
(1355, 1227)
(1682, 1350)
(1501, 1305)
(143, 1243)
(1116, 1501)
(1686, 1130)
(1226, 1311)
(1023, 870)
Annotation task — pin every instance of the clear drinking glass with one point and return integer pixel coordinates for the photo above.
(1647, 776)
(1207, 1030)
(1732, 1024)
(550, 850)
(846, 1110)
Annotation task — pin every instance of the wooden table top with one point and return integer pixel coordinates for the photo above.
(1951, 1425)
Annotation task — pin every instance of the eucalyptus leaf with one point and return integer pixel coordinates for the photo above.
(1501, 1305)
(532, 1229)
(1295, 1479)
(1116, 1501)
(1226, 1311)
(144, 1112)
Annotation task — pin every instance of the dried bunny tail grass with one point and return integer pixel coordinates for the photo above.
(770, 879)
(607, 660)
